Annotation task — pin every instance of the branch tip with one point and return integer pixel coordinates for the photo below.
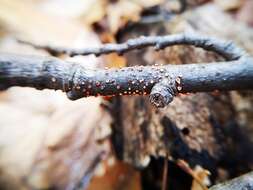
(162, 93)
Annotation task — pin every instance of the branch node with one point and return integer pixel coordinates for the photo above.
(163, 93)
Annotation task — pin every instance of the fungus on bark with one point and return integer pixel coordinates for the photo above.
(161, 82)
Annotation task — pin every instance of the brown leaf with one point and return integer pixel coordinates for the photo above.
(47, 140)
(202, 176)
(228, 4)
(114, 60)
(115, 175)
(245, 13)
(123, 11)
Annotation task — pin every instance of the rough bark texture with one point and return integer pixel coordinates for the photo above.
(244, 182)
(161, 82)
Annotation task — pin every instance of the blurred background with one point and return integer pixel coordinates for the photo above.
(50, 142)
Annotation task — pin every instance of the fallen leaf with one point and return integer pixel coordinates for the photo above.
(229, 4)
(114, 175)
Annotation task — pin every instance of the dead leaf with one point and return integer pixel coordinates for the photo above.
(28, 22)
(245, 13)
(48, 140)
(113, 174)
(199, 175)
(114, 60)
(124, 11)
(203, 176)
(229, 4)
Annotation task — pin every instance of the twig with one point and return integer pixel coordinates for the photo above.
(226, 49)
(165, 174)
(161, 82)
(52, 73)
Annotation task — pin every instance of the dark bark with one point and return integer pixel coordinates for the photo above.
(226, 49)
(78, 82)
(167, 80)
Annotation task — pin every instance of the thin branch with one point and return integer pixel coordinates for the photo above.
(165, 174)
(52, 73)
(161, 82)
(226, 49)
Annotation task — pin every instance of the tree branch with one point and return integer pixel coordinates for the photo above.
(52, 73)
(161, 82)
(226, 49)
